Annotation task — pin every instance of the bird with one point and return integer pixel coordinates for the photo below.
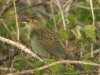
(46, 42)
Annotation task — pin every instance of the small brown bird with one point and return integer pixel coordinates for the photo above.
(47, 43)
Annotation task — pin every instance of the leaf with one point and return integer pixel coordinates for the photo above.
(21, 65)
(64, 34)
(58, 19)
(56, 68)
(49, 23)
(90, 32)
(71, 20)
(69, 69)
(88, 67)
(38, 64)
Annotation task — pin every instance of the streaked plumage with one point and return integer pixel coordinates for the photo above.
(47, 43)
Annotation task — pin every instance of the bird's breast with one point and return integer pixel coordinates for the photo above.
(38, 48)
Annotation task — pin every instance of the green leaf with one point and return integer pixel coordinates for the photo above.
(88, 67)
(90, 32)
(71, 19)
(58, 18)
(40, 72)
(21, 64)
(38, 64)
(69, 69)
(56, 68)
(49, 23)
(64, 34)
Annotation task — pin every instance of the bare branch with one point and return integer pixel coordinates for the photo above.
(16, 19)
(20, 46)
(55, 63)
(62, 15)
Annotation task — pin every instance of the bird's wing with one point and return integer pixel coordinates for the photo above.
(52, 43)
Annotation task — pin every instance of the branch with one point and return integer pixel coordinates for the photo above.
(20, 46)
(7, 6)
(55, 63)
(85, 7)
(16, 19)
(62, 15)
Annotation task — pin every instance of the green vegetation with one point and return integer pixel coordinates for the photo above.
(83, 37)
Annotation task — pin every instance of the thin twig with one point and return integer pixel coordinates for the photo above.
(94, 52)
(92, 55)
(93, 17)
(62, 15)
(84, 7)
(55, 63)
(4, 7)
(12, 65)
(52, 10)
(99, 61)
(7, 6)
(20, 46)
(82, 48)
(68, 4)
(5, 25)
(6, 68)
(16, 19)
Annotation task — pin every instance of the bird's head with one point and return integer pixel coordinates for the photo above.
(35, 24)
